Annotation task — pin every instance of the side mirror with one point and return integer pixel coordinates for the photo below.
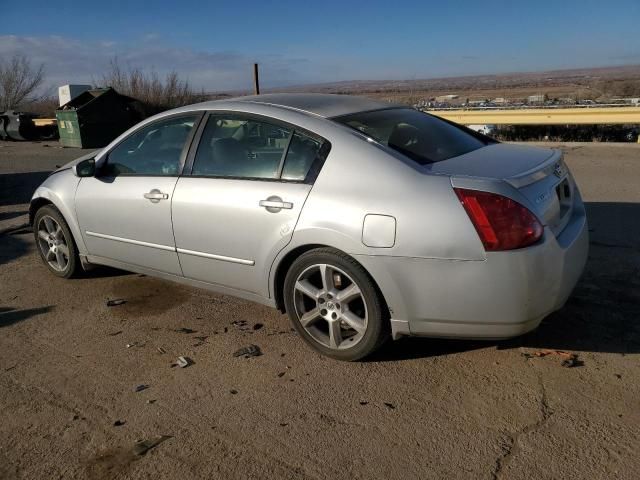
(86, 168)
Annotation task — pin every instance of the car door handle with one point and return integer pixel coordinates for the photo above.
(275, 204)
(156, 195)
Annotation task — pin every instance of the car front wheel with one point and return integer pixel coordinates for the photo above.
(55, 242)
(334, 305)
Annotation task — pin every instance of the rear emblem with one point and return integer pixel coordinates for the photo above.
(559, 170)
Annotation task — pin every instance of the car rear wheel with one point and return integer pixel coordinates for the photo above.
(334, 305)
(55, 242)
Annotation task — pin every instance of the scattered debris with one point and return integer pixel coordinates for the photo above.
(184, 362)
(185, 330)
(113, 334)
(570, 359)
(240, 325)
(390, 406)
(281, 374)
(248, 351)
(140, 388)
(116, 302)
(201, 340)
(119, 423)
(233, 392)
(364, 403)
(258, 326)
(142, 447)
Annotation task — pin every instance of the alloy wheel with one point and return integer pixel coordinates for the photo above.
(53, 244)
(330, 306)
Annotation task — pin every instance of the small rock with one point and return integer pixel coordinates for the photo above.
(116, 302)
(113, 334)
(161, 350)
(258, 326)
(118, 423)
(185, 330)
(248, 351)
(572, 361)
(364, 403)
(284, 424)
(151, 402)
(390, 406)
(140, 388)
(233, 392)
(281, 374)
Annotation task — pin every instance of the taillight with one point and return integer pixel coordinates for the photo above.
(501, 223)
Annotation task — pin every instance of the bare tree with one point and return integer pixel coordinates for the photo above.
(148, 88)
(18, 81)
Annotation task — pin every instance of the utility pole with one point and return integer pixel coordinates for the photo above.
(256, 79)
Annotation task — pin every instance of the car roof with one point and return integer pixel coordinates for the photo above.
(323, 104)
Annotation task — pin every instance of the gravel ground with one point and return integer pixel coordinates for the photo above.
(421, 408)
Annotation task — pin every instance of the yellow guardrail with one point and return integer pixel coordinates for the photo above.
(544, 116)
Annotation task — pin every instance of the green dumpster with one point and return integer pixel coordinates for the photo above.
(95, 117)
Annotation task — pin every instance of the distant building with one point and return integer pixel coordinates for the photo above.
(539, 98)
(500, 100)
(632, 101)
(446, 98)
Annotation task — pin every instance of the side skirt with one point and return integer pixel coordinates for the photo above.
(95, 260)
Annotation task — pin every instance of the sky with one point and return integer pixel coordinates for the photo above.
(214, 44)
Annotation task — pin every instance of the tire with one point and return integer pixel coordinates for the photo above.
(54, 241)
(342, 316)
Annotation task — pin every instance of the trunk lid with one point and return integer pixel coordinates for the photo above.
(539, 174)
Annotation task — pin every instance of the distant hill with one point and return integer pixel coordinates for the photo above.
(582, 83)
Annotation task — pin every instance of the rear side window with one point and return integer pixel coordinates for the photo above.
(302, 152)
(238, 147)
(421, 137)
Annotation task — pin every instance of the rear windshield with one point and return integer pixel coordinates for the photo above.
(421, 137)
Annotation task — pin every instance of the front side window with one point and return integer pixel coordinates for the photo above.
(152, 150)
(421, 137)
(238, 147)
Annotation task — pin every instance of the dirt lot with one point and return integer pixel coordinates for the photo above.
(422, 408)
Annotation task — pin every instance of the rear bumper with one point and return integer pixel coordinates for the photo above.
(506, 295)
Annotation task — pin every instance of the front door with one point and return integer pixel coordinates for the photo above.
(240, 204)
(124, 211)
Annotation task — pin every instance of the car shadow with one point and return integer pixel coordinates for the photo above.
(17, 188)
(13, 246)
(601, 314)
(9, 316)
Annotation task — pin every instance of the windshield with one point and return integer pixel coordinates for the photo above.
(421, 137)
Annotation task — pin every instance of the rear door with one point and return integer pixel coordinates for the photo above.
(238, 206)
(124, 211)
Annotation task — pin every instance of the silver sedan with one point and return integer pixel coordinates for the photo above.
(361, 220)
